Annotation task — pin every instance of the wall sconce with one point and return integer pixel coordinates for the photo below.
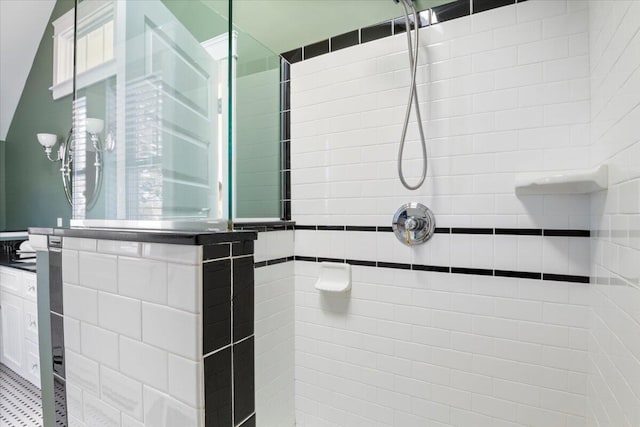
(65, 153)
(48, 140)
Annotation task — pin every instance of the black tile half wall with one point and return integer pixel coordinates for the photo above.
(243, 384)
(243, 298)
(216, 305)
(228, 341)
(218, 390)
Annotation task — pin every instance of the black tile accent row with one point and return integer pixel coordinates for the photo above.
(445, 269)
(345, 40)
(316, 49)
(434, 16)
(285, 125)
(472, 271)
(567, 233)
(360, 228)
(449, 11)
(483, 5)
(460, 230)
(331, 227)
(519, 231)
(320, 259)
(565, 278)
(266, 226)
(273, 261)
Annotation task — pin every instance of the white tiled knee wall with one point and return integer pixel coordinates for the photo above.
(132, 329)
(274, 330)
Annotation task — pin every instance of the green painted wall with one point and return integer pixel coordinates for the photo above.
(3, 212)
(33, 188)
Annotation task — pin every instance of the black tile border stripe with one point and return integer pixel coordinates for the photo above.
(519, 231)
(471, 230)
(567, 233)
(518, 274)
(565, 278)
(458, 230)
(397, 265)
(360, 228)
(436, 268)
(473, 271)
(331, 227)
(434, 16)
(265, 226)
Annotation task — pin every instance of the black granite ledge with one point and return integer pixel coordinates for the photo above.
(151, 236)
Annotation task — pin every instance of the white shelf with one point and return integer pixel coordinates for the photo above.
(572, 182)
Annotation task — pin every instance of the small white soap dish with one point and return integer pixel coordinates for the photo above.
(334, 277)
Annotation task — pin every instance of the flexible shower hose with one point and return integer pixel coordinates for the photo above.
(413, 98)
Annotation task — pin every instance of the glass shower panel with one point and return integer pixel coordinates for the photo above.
(257, 137)
(148, 148)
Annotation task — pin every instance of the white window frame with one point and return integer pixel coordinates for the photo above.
(91, 14)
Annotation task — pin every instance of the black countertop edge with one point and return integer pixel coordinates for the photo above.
(6, 260)
(173, 237)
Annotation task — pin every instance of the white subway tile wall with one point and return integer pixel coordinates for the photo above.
(491, 111)
(133, 343)
(403, 343)
(274, 330)
(502, 92)
(613, 385)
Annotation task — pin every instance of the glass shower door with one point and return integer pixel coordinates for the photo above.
(159, 148)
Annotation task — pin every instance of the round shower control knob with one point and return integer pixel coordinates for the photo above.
(413, 224)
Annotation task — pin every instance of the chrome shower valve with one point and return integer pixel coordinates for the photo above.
(413, 224)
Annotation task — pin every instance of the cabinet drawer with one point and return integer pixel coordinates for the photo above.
(30, 285)
(30, 317)
(10, 280)
(31, 368)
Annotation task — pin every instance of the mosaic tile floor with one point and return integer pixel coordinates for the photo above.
(20, 404)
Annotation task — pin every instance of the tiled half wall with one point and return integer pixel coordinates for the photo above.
(154, 334)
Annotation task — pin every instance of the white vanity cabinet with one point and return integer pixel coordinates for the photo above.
(19, 323)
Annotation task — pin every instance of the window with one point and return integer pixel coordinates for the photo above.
(95, 58)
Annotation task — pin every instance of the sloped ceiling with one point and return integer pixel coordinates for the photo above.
(281, 25)
(22, 24)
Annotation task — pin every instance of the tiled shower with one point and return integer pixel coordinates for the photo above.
(522, 310)
(239, 260)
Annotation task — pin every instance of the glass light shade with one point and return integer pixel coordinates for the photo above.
(47, 140)
(94, 125)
